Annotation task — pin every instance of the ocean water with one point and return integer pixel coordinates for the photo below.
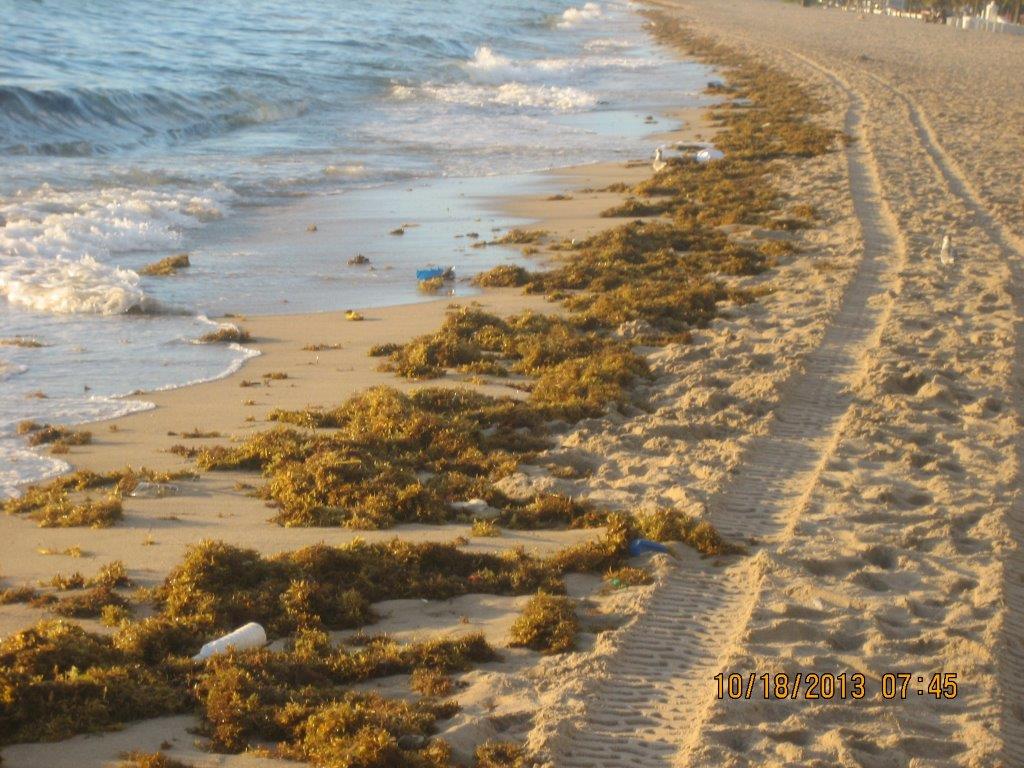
(132, 130)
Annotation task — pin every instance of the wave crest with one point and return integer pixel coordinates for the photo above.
(521, 95)
(83, 121)
(61, 286)
(574, 16)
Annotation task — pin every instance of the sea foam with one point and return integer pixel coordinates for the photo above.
(488, 66)
(7, 370)
(574, 16)
(72, 223)
(521, 95)
(62, 286)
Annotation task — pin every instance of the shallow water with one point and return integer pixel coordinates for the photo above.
(130, 131)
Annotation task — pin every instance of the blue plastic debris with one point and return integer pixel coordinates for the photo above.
(642, 546)
(431, 272)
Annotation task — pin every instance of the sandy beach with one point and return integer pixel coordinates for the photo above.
(885, 488)
(853, 427)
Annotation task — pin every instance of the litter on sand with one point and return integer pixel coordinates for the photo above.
(146, 490)
(643, 546)
(476, 507)
(248, 636)
(428, 273)
(707, 155)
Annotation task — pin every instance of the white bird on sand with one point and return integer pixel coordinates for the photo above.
(658, 165)
(946, 253)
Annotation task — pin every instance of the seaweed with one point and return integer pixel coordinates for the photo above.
(585, 386)
(383, 350)
(90, 604)
(321, 347)
(486, 528)
(41, 434)
(431, 682)
(25, 342)
(536, 345)
(226, 334)
(364, 730)
(218, 586)
(13, 595)
(431, 285)
(57, 680)
(503, 276)
(113, 574)
(518, 236)
(52, 505)
(166, 267)
(299, 698)
(500, 754)
(628, 576)
(150, 760)
(199, 434)
(87, 514)
(393, 457)
(67, 551)
(674, 525)
(547, 624)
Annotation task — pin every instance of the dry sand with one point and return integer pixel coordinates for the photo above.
(857, 427)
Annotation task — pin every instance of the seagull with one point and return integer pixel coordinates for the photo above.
(658, 165)
(947, 253)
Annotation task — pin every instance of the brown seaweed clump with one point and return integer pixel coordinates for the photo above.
(41, 434)
(518, 236)
(503, 276)
(226, 334)
(301, 698)
(64, 501)
(501, 754)
(431, 285)
(57, 680)
(547, 624)
(150, 760)
(219, 587)
(391, 457)
(24, 342)
(166, 267)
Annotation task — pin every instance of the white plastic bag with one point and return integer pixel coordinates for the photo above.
(707, 155)
(251, 635)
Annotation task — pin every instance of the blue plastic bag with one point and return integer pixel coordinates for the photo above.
(643, 546)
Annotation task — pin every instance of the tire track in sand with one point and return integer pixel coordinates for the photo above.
(1010, 653)
(647, 706)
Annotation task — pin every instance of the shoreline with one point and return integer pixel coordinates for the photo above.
(575, 217)
(143, 437)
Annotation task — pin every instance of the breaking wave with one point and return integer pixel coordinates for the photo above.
(572, 17)
(518, 95)
(84, 121)
(64, 287)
